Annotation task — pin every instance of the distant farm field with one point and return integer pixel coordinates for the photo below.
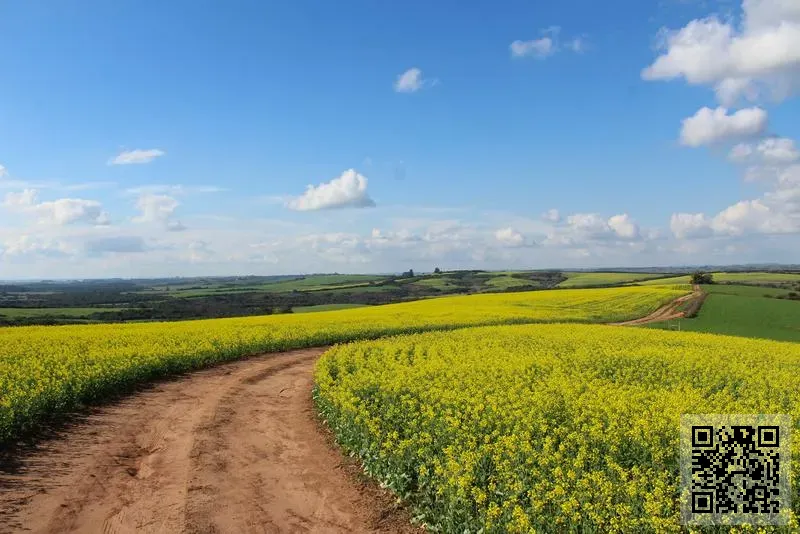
(740, 278)
(52, 312)
(744, 311)
(578, 279)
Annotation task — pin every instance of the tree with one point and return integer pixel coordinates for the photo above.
(699, 277)
(437, 271)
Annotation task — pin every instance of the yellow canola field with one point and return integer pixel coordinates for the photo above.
(47, 370)
(545, 428)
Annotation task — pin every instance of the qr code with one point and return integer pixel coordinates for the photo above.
(735, 469)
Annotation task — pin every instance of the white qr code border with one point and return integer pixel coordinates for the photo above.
(701, 433)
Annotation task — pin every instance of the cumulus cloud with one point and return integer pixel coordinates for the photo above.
(63, 211)
(158, 209)
(137, 156)
(710, 126)
(348, 190)
(155, 208)
(690, 225)
(736, 60)
(624, 226)
(777, 212)
(772, 152)
(778, 150)
(579, 229)
(411, 81)
(509, 237)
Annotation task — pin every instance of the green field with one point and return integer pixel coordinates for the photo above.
(54, 312)
(740, 278)
(744, 291)
(503, 282)
(744, 311)
(309, 283)
(575, 279)
(325, 307)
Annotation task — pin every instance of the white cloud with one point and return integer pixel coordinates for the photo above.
(509, 237)
(59, 212)
(24, 199)
(155, 208)
(28, 245)
(552, 215)
(590, 223)
(158, 209)
(764, 51)
(777, 212)
(136, 156)
(624, 226)
(769, 157)
(3, 172)
(690, 225)
(537, 48)
(778, 150)
(411, 81)
(580, 229)
(348, 190)
(709, 126)
(547, 45)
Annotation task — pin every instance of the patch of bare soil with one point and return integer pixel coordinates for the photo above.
(667, 312)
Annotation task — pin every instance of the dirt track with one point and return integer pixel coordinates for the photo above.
(236, 448)
(666, 312)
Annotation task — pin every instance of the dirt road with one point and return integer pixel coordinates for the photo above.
(666, 312)
(236, 448)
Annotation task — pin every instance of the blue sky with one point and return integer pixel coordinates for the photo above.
(178, 138)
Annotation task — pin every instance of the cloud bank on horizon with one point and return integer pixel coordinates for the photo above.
(465, 200)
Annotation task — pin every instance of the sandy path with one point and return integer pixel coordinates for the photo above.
(666, 312)
(236, 448)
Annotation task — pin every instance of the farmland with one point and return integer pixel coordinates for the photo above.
(101, 301)
(755, 278)
(749, 311)
(45, 370)
(576, 427)
(104, 301)
(578, 279)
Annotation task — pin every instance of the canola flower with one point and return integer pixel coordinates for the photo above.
(48, 370)
(545, 428)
